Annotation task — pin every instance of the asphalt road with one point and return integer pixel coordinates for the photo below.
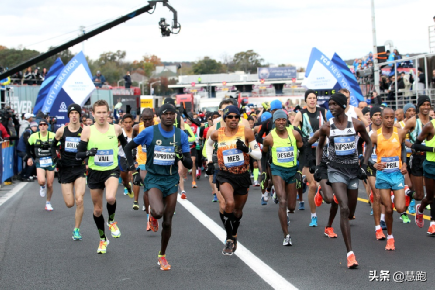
(37, 252)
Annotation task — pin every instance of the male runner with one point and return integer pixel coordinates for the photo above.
(39, 152)
(284, 143)
(72, 172)
(390, 168)
(352, 111)
(165, 144)
(99, 143)
(233, 179)
(129, 134)
(343, 169)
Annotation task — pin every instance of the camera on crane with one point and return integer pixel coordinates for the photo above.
(164, 27)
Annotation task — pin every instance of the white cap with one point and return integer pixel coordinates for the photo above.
(27, 116)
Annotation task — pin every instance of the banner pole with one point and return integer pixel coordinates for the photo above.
(375, 49)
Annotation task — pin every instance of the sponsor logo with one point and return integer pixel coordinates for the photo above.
(63, 108)
(159, 142)
(349, 131)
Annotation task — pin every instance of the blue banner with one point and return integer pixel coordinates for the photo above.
(7, 160)
(288, 72)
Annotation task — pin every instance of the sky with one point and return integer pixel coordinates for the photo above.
(281, 31)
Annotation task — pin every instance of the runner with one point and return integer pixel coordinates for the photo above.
(129, 133)
(39, 152)
(391, 153)
(284, 143)
(165, 144)
(191, 139)
(352, 111)
(99, 143)
(72, 172)
(343, 169)
(233, 179)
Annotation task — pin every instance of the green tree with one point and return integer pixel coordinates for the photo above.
(248, 61)
(207, 65)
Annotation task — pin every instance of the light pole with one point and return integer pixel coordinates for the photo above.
(151, 86)
(375, 49)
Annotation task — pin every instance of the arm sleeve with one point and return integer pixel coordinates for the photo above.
(122, 140)
(209, 149)
(81, 150)
(261, 133)
(55, 145)
(128, 150)
(184, 143)
(422, 148)
(403, 153)
(191, 137)
(255, 150)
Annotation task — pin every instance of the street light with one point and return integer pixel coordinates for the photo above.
(120, 81)
(151, 85)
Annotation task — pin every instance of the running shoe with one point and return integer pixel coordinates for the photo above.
(288, 219)
(235, 243)
(48, 206)
(135, 205)
(256, 184)
(405, 219)
(313, 222)
(194, 184)
(215, 199)
(266, 196)
(428, 207)
(76, 235)
(252, 175)
(287, 241)
(263, 202)
(411, 208)
(183, 195)
(148, 225)
(102, 246)
(390, 245)
(144, 208)
(301, 205)
(130, 193)
(154, 224)
(42, 191)
(383, 225)
(418, 216)
(335, 199)
(380, 235)
(163, 263)
(229, 246)
(431, 230)
(371, 212)
(275, 198)
(318, 199)
(120, 180)
(329, 232)
(199, 174)
(272, 192)
(125, 191)
(114, 229)
(351, 262)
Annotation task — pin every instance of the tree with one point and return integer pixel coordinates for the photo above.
(110, 56)
(248, 61)
(207, 65)
(148, 63)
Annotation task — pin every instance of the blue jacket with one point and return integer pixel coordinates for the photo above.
(23, 140)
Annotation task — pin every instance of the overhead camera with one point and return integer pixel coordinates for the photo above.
(164, 27)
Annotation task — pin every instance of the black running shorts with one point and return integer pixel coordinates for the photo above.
(417, 164)
(239, 182)
(97, 179)
(70, 174)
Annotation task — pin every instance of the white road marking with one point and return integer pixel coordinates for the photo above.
(11, 193)
(258, 266)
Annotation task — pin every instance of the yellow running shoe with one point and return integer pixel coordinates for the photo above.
(102, 246)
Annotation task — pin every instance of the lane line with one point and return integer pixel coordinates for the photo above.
(413, 214)
(256, 264)
(12, 192)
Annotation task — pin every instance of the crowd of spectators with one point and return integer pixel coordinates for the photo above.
(32, 76)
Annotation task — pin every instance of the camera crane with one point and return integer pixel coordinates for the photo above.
(151, 5)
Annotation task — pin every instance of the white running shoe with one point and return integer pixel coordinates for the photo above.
(143, 208)
(48, 206)
(266, 196)
(287, 241)
(42, 191)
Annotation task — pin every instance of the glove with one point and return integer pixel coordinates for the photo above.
(178, 153)
(421, 147)
(313, 169)
(210, 169)
(362, 174)
(137, 180)
(91, 152)
(316, 175)
(241, 146)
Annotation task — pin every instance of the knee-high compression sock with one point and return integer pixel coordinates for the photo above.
(111, 208)
(222, 218)
(99, 222)
(236, 225)
(228, 223)
(255, 174)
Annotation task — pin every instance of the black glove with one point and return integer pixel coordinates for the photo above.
(421, 148)
(91, 152)
(362, 173)
(178, 153)
(137, 180)
(210, 169)
(316, 175)
(242, 146)
(313, 169)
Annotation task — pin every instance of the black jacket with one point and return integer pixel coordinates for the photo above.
(127, 79)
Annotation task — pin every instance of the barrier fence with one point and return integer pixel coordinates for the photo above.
(11, 163)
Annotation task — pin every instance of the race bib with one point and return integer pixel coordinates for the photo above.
(344, 145)
(285, 154)
(391, 163)
(374, 156)
(314, 145)
(164, 155)
(104, 158)
(408, 150)
(45, 162)
(144, 148)
(71, 144)
(233, 157)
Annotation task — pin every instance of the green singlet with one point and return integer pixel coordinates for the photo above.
(107, 145)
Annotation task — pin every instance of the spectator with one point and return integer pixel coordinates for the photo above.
(25, 123)
(21, 151)
(37, 76)
(362, 105)
(421, 80)
(127, 79)
(44, 74)
(28, 77)
(392, 88)
(3, 132)
(99, 79)
(375, 99)
(433, 79)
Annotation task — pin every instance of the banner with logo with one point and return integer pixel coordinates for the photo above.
(7, 161)
(323, 73)
(287, 72)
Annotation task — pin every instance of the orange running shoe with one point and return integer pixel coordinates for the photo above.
(335, 199)
(431, 230)
(148, 225)
(183, 195)
(390, 245)
(154, 224)
(194, 184)
(380, 235)
(318, 199)
(163, 263)
(351, 262)
(329, 232)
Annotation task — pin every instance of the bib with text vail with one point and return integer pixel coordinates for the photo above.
(285, 154)
(391, 164)
(164, 155)
(314, 145)
(45, 162)
(233, 157)
(104, 158)
(344, 145)
(71, 144)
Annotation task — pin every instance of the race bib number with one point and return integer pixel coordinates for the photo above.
(144, 148)
(104, 158)
(344, 145)
(314, 145)
(233, 157)
(45, 162)
(71, 144)
(164, 155)
(391, 164)
(374, 156)
(408, 150)
(285, 154)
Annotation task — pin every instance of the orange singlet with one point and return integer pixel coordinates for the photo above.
(389, 151)
(231, 159)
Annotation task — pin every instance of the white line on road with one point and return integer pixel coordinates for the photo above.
(11, 193)
(258, 266)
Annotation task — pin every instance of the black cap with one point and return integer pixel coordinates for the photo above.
(75, 107)
(169, 101)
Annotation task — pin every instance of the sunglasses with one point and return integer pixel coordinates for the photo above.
(233, 117)
(43, 124)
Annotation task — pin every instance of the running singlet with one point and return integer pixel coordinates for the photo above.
(311, 122)
(141, 156)
(408, 150)
(121, 152)
(373, 156)
(284, 151)
(107, 143)
(342, 145)
(430, 156)
(69, 143)
(42, 147)
(351, 113)
(230, 158)
(389, 151)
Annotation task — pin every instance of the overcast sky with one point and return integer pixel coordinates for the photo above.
(281, 31)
